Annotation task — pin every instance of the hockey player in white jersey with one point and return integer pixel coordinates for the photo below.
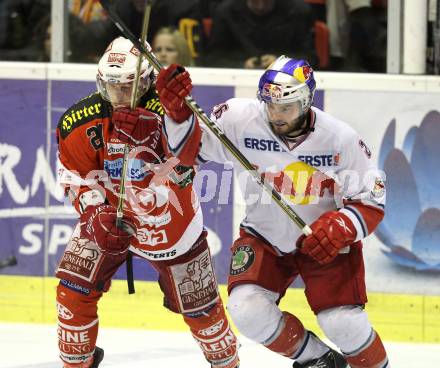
(323, 167)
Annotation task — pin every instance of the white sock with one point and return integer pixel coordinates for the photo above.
(312, 348)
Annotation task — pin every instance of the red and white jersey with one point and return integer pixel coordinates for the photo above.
(167, 215)
(327, 169)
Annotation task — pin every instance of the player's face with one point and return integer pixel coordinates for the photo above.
(119, 94)
(283, 118)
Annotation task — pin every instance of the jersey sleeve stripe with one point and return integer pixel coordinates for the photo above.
(358, 221)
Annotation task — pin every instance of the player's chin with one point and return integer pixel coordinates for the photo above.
(279, 128)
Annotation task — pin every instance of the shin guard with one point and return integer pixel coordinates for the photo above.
(77, 326)
(371, 355)
(289, 336)
(213, 333)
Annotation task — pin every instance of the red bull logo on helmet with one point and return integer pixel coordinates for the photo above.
(272, 91)
(303, 73)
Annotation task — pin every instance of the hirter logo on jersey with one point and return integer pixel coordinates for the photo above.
(272, 90)
(114, 57)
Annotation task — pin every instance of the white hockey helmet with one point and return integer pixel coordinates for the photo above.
(117, 70)
(286, 81)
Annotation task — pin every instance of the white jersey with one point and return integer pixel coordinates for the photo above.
(305, 171)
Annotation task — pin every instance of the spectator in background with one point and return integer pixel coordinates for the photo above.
(163, 13)
(80, 47)
(358, 35)
(42, 37)
(87, 10)
(170, 47)
(18, 20)
(96, 34)
(252, 33)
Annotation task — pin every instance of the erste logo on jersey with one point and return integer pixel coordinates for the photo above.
(135, 169)
(321, 160)
(261, 144)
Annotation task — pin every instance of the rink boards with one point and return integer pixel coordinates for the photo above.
(407, 318)
(397, 116)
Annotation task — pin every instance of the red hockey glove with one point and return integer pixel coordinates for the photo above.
(173, 85)
(98, 224)
(331, 232)
(138, 126)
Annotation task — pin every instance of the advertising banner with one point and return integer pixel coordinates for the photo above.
(402, 130)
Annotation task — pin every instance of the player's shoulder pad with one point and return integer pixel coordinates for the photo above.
(150, 101)
(85, 110)
(342, 131)
(234, 107)
(238, 110)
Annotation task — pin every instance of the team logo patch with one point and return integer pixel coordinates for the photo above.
(64, 312)
(242, 258)
(379, 188)
(195, 282)
(81, 259)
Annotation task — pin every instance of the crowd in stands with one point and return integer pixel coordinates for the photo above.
(340, 35)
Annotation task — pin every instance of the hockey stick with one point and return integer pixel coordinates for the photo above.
(7, 262)
(279, 200)
(120, 208)
(133, 102)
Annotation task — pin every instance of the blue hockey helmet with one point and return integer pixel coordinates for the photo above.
(286, 81)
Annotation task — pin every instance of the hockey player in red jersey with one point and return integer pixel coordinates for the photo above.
(322, 166)
(162, 220)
